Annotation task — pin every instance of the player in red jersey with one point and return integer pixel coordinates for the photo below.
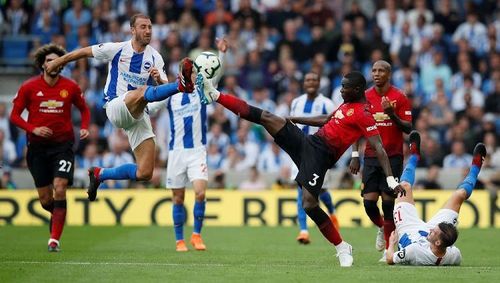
(315, 154)
(391, 110)
(48, 98)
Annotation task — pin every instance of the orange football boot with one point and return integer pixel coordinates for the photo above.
(197, 242)
(180, 246)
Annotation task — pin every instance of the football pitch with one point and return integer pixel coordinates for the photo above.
(246, 254)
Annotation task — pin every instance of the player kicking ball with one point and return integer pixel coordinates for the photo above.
(315, 154)
(429, 243)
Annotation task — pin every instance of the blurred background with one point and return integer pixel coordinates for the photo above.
(444, 53)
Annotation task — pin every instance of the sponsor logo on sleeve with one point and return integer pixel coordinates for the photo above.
(350, 112)
(408, 113)
(402, 253)
(371, 128)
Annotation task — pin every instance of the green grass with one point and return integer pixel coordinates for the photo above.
(145, 254)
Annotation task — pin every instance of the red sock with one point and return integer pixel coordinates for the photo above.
(330, 232)
(240, 107)
(58, 219)
(388, 228)
(378, 220)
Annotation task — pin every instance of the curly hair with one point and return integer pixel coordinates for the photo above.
(45, 50)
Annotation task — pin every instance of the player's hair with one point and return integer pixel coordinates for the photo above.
(357, 79)
(134, 18)
(449, 234)
(45, 50)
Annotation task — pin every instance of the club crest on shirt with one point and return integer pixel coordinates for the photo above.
(147, 65)
(350, 112)
(64, 93)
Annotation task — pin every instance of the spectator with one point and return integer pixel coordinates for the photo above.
(458, 158)
(430, 182)
(8, 152)
(436, 69)
(16, 18)
(474, 33)
(254, 182)
(467, 96)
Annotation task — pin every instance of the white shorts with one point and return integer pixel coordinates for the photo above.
(137, 130)
(407, 220)
(186, 165)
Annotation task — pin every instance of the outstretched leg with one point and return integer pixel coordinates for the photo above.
(326, 199)
(272, 123)
(464, 189)
(408, 176)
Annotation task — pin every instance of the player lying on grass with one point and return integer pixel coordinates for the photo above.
(429, 243)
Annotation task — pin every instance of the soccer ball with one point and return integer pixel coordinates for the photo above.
(208, 64)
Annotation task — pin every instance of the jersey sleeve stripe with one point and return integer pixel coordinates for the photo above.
(172, 124)
(111, 91)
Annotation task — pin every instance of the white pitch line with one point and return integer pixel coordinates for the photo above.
(115, 263)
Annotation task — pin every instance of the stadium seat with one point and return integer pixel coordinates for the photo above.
(15, 51)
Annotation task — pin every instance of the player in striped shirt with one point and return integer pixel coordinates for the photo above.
(311, 104)
(431, 242)
(187, 158)
(135, 78)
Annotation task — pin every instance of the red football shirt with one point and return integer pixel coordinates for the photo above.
(350, 122)
(391, 134)
(49, 106)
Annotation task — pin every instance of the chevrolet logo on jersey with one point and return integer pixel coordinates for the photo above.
(380, 116)
(51, 104)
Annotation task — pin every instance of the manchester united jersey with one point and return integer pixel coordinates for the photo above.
(49, 106)
(350, 122)
(391, 134)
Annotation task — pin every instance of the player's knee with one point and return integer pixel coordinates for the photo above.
(47, 203)
(200, 196)
(144, 175)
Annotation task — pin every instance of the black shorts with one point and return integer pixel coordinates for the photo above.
(309, 153)
(46, 162)
(374, 178)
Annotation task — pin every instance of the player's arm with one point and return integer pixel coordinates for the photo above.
(84, 52)
(354, 165)
(402, 124)
(393, 239)
(19, 104)
(79, 102)
(222, 46)
(316, 121)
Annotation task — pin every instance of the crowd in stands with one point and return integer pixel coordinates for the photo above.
(445, 55)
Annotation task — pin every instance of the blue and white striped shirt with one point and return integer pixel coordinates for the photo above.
(188, 121)
(127, 69)
(303, 107)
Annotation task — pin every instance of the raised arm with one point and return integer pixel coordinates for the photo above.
(84, 52)
(403, 125)
(316, 121)
(222, 46)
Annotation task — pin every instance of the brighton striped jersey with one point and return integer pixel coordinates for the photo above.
(188, 121)
(304, 107)
(127, 69)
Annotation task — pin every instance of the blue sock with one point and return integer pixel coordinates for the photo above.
(409, 171)
(470, 180)
(161, 92)
(301, 214)
(199, 214)
(123, 172)
(326, 198)
(179, 215)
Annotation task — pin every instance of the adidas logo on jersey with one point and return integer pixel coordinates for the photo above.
(39, 93)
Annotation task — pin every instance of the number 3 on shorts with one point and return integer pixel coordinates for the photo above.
(314, 180)
(64, 166)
